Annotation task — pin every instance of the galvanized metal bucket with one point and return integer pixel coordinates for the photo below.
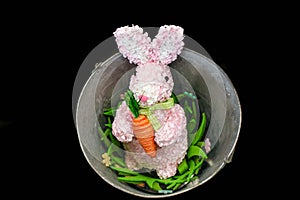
(219, 101)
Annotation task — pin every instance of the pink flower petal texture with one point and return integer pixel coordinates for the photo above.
(122, 124)
(150, 81)
(207, 145)
(133, 44)
(137, 47)
(167, 44)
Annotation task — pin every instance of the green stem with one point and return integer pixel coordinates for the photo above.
(176, 186)
(124, 170)
(191, 125)
(180, 96)
(187, 108)
(191, 169)
(180, 179)
(187, 169)
(103, 137)
(118, 161)
(200, 131)
(198, 166)
(194, 109)
(109, 111)
(182, 167)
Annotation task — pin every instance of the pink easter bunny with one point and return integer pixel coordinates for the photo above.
(152, 84)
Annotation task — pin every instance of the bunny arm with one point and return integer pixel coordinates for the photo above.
(173, 126)
(122, 124)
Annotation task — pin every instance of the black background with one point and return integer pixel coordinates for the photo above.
(45, 46)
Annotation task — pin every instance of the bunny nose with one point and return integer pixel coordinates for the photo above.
(143, 98)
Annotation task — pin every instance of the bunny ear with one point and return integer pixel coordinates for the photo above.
(133, 44)
(167, 44)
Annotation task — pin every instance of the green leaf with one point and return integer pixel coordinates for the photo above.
(124, 170)
(191, 165)
(150, 182)
(107, 132)
(113, 149)
(114, 140)
(191, 170)
(109, 111)
(176, 186)
(118, 161)
(200, 144)
(103, 137)
(138, 177)
(108, 125)
(179, 180)
(131, 179)
(180, 96)
(132, 103)
(187, 108)
(182, 167)
(201, 130)
(196, 160)
(156, 186)
(195, 151)
(191, 125)
(193, 178)
(135, 182)
(194, 110)
(175, 98)
(198, 166)
(187, 169)
(202, 153)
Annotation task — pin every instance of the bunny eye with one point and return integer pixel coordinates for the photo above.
(166, 78)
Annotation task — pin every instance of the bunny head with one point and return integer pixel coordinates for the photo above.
(152, 81)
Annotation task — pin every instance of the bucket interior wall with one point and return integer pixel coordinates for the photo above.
(216, 96)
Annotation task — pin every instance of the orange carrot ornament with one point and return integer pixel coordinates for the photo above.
(141, 126)
(144, 133)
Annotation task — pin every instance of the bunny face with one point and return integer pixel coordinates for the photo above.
(151, 84)
(153, 81)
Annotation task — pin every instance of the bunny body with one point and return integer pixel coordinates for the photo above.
(152, 84)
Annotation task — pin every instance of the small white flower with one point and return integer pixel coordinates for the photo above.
(106, 159)
(207, 145)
